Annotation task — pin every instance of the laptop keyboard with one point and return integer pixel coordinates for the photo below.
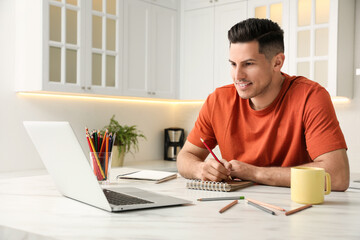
(116, 198)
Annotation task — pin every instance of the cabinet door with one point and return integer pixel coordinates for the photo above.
(226, 16)
(49, 46)
(150, 50)
(277, 11)
(65, 48)
(136, 48)
(163, 52)
(198, 54)
(104, 51)
(323, 39)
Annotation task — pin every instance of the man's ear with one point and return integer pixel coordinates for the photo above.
(278, 61)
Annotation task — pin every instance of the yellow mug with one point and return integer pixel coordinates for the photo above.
(308, 185)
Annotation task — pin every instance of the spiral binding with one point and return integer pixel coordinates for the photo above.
(207, 185)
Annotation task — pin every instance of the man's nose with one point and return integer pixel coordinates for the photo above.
(239, 74)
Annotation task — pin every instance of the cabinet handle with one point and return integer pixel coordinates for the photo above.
(89, 88)
(83, 88)
(153, 93)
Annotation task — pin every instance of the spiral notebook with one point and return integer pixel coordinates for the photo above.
(217, 186)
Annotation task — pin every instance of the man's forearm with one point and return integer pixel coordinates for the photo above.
(188, 165)
(335, 163)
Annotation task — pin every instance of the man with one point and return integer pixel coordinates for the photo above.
(267, 121)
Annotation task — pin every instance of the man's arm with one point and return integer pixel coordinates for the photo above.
(335, 163)
(191, 164)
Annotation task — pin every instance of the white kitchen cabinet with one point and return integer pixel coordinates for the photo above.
(55, 48)
(150, 50)
(104, 21)
(49, 56)
(205, 48)
(322, 40)
(277, 11)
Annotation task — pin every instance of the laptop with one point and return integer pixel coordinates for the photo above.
(63, 157)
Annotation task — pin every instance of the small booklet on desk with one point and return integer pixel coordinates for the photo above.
(217, 186)
(149, 175)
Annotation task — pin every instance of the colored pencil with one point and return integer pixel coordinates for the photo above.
(222, 198)
(212, 153)
(97, 159)
(98, 141)
(106, 152)
(297, 209)
(97, 173)
(102, 148)
(266, 204)
(262, 208)
(228, 206)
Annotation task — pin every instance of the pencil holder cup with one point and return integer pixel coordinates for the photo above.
(101, 165)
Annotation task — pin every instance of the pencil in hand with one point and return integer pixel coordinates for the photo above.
(212, 153)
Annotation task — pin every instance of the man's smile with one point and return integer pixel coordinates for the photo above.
(242, 84)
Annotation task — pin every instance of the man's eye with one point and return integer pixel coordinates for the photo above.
(247, 64)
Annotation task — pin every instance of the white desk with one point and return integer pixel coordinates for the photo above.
(32, 208)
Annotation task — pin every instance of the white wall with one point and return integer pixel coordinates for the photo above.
(18, 153)
(349, 114)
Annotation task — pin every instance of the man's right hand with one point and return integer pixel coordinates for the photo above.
(212, 170)
(191, 164)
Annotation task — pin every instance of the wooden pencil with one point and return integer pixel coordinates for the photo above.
(228, 206)
(297, 209)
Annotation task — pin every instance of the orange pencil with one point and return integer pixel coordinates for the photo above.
(228, 206)
(297, 209)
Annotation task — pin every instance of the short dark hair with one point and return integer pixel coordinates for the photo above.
(267, 33)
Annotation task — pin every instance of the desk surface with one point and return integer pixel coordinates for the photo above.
(32, 208)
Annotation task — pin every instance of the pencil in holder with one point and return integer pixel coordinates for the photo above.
(101, 165)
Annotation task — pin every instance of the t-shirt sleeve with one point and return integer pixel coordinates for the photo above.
(322, 129)
(203, 126)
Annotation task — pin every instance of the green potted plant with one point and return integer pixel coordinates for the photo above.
(127, 138)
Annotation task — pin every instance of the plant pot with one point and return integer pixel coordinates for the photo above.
(117, 158)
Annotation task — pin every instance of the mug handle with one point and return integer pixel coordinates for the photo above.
(328, 183)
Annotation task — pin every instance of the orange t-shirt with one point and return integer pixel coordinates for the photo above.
(298, 126)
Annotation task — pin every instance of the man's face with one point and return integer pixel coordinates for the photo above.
(250, 70)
